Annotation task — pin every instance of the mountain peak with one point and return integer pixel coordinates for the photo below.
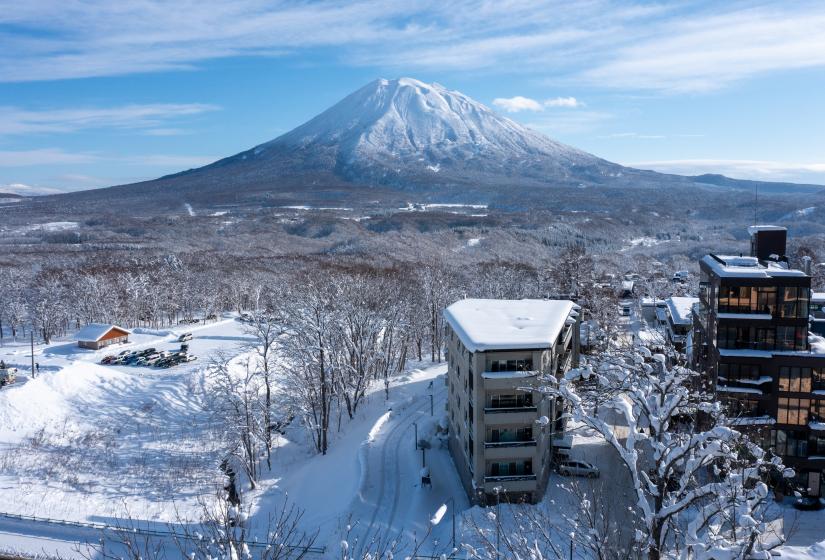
(407, 123)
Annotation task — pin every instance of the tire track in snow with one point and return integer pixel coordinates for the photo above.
(402, 425)
(392, 463)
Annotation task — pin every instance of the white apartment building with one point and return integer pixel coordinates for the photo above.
(501, 428)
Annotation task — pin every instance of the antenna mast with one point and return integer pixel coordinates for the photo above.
(756, 204)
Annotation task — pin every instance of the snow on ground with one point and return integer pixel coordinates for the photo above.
(370, 478)
(85, 442)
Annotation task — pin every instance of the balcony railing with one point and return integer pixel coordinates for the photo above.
(510, 478)
(507, 409)
(495, 444)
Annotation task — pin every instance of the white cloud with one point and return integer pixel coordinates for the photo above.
(741, 169)
(712, 50)
(569, 102)
(14, 120)
(671, 47)
(517, 103)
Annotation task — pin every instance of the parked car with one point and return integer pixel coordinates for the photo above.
(7, 376)
(185, 337)
(578, 468)
(808, 503)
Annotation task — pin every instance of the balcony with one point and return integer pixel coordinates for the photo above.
(508, 409)
(503, 444)
(510, 478)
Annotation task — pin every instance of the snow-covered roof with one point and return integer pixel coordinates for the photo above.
(727, 266)
(680, 309)
(96, 331)
(508, 324)
(755, 229)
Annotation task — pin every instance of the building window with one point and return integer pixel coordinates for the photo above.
(793, 411)
(795, 379)
(511, 401)
(795, 302)
(746, 299)
(503, 435)
(741, 407)
(818, 379)
(818, 413)
(512, 365)
(789, 443)
(782, 338)
(739, 372)
(513, 468)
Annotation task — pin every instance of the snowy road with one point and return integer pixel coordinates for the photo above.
(392, 504)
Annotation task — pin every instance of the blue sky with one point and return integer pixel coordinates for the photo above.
(97, 93)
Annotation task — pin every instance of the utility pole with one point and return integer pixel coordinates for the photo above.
(31, 335)
(432, 412)
(415, 425)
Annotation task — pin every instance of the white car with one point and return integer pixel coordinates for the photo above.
(578, 468)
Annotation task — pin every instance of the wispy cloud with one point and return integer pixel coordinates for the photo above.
(151, 117)
(661, 47)
(741, 169)
(568, 102)
(569, 122)
(712, 50)
(632, 135)
(518, 103)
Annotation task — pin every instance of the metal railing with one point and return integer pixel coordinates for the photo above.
(525, 443)
(510, 478)
(506, 409)
(143, 532)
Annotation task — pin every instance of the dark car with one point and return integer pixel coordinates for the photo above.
(808, 503)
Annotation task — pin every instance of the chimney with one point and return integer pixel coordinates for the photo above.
(767, 241)
(806, 265)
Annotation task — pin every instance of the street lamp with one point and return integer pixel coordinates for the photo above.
(415, 425)
(452, 510)
(497, 492)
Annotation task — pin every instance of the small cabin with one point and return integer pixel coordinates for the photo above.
(96, 336)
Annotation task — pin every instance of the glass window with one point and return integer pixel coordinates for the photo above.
(818, 379)
(818, 412)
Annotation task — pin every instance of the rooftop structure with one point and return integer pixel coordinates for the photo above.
(498, 324)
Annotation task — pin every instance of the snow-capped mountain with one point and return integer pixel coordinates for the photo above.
(401, 136)
(425, 128)
(407, 134)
